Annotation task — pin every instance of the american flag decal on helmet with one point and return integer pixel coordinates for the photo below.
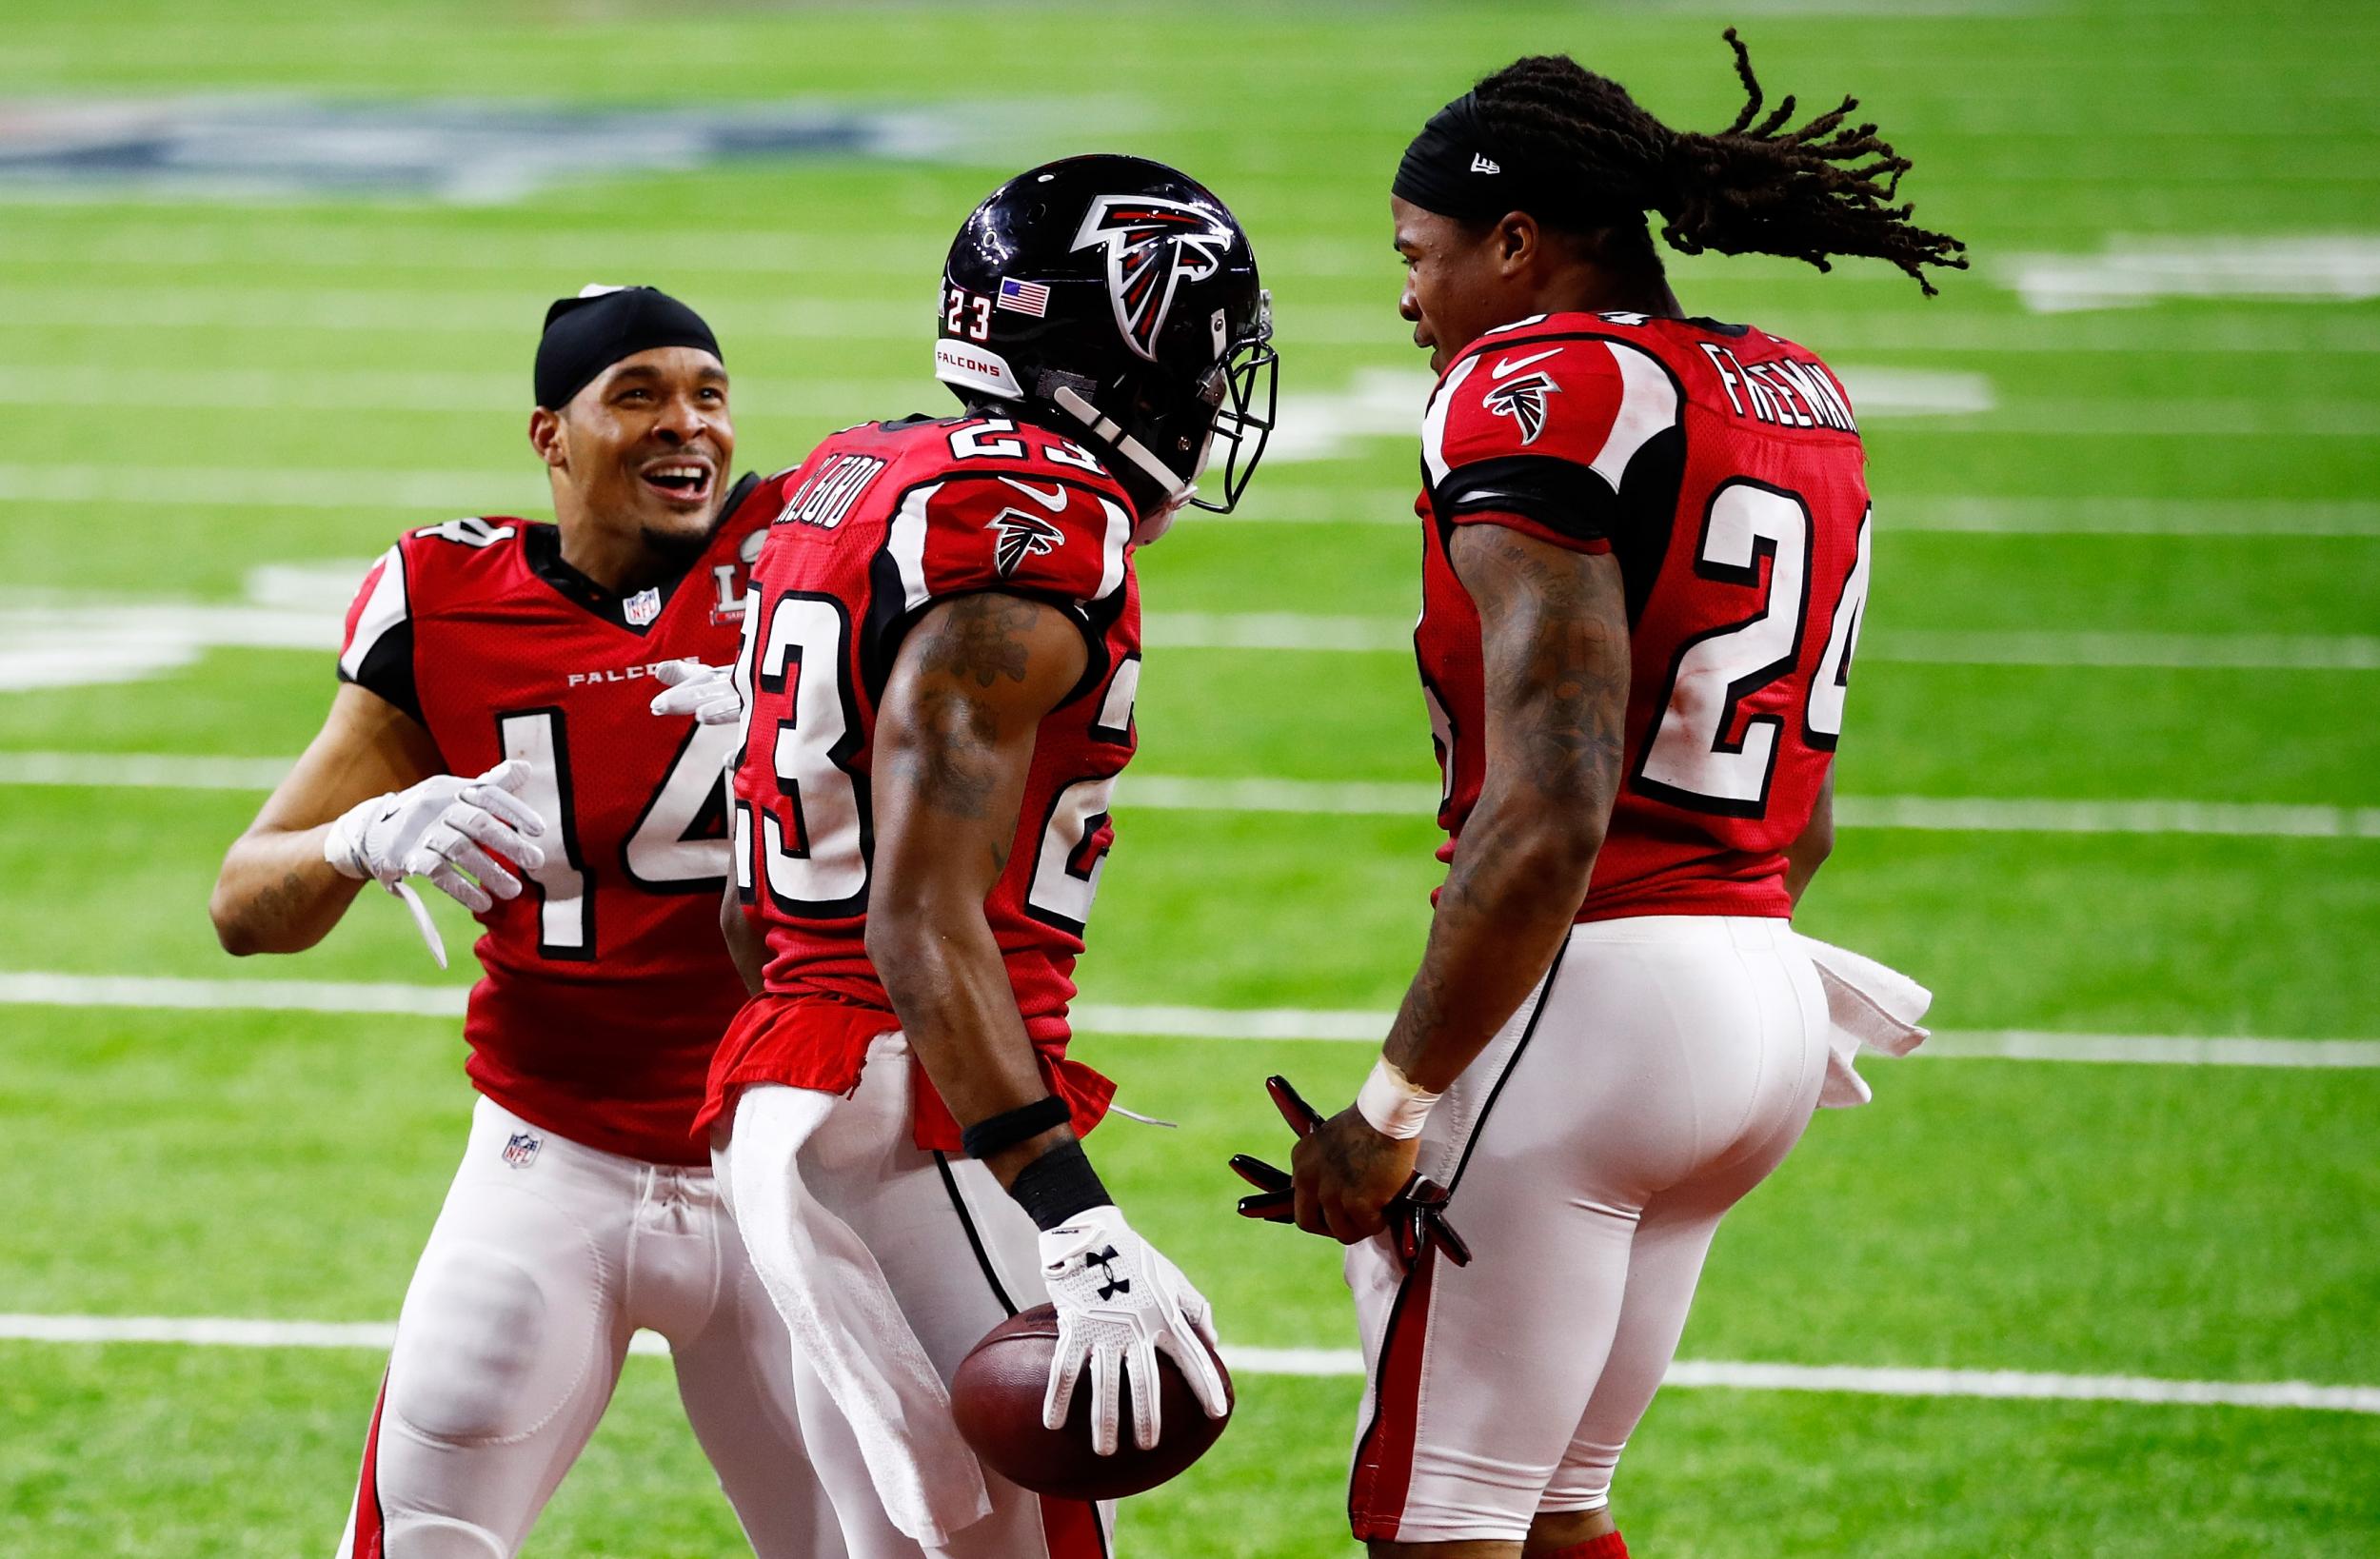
(1152, 246)
(1523, 401)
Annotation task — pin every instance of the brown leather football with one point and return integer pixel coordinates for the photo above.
(997, 1398)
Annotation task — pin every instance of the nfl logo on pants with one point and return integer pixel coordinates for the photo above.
(521, 1150)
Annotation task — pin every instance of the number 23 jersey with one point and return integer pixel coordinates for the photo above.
(606, 984)
(878, 525)
(1721, 468)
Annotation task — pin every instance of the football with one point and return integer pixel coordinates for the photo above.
(998, 1396)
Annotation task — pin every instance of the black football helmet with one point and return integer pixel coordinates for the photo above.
(1119, 296)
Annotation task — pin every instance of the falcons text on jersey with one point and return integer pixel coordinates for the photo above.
(605, 983)
(880, 523)
(1721, 468)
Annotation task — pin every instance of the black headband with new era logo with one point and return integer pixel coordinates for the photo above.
(1455, 167)
(588, 333)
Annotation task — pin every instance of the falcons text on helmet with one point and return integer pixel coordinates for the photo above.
(1152, 246)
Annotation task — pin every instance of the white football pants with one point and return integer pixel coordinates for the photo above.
(860, 1234)
(1663, 1068)
(546, 1258)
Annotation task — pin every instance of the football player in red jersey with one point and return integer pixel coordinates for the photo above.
(1646, 542)
(938, 670)
(585, 1208)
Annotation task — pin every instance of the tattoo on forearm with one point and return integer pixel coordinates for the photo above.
(284, 902)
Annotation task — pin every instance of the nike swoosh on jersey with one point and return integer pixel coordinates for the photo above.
(1514, 364)
(1053, 500)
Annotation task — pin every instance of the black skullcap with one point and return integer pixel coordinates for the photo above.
(588, 333)
(1457, 168)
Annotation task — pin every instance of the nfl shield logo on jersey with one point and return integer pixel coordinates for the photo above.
(641, 609)
(521, 1149)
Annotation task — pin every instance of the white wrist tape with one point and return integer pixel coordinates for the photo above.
(343, 847)
(1391, 1104)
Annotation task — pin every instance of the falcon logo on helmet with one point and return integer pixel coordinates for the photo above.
(1019, 536)
(1152, 246)
(1523, 401)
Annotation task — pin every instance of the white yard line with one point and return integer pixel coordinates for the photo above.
(495, 317)
(1372, 403)
(1386, 799)
(2173, 651)
(152, 992)
(451, 492)
(355, 389)
(524, 491)
(2132, 271)
(1328, 1025)
(211, 1331)
(2207, 651)
(1959, 515)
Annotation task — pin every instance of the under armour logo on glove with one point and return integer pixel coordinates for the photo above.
(1114, 1285)
(1112, 1327)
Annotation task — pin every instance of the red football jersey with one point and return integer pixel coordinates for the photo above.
(881, 522)
(606, 984)
(1722, 470)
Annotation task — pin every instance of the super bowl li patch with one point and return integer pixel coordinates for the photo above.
(521, 1149)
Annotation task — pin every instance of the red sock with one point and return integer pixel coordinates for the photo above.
(1609, 1545)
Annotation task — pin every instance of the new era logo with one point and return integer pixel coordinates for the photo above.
(1479, 164)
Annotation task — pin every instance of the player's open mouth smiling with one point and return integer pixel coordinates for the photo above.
(681, 479)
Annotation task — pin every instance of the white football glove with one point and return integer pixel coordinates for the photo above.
(1120, 1302)
(707, 693)
(440, 829)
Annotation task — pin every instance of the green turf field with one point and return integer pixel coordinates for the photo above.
(2129, 552)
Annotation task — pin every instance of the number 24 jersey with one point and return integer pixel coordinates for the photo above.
(1721, 468)
(879, 524)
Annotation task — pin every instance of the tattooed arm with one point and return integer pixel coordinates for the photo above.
(954, 740)
(1554, 632)
(276, 893)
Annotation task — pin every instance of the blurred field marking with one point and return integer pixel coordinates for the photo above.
(1385, 799)
(295, 391)
(2253, 652)
(2132, 271)
(466, 492)
(378, 1336)
(1372, 402)
(2265, 518)
(1327, 1025)
(50, 640)
(496, 317)
(1375, 403)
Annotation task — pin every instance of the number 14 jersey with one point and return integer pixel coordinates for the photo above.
(605, 983)
(1721, 468)
(877, 526)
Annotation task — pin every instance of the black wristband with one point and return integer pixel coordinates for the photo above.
(1010, 1127)
(1058, 1185)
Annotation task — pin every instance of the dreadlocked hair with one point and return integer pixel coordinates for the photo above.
(1809, 194)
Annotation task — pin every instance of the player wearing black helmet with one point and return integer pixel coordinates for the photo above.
(940, 655)
(1115, 299)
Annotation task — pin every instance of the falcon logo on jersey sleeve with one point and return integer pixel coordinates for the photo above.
(1152, 246)
(1523, 401)
(1019, 536)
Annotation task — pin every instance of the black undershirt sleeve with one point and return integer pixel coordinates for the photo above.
(1563, 496)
